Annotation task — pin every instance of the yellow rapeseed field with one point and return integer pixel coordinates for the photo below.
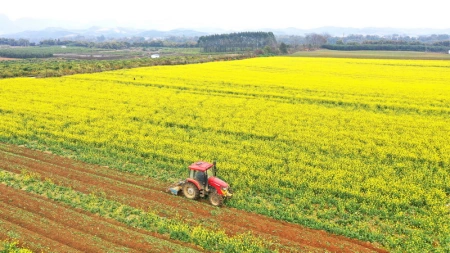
(354, 146)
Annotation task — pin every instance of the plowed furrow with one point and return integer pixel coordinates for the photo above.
(101, 171)
(137, 197)
(127, 188)
(46, 227)
(75, 228)
(130, 194)
(34, 241)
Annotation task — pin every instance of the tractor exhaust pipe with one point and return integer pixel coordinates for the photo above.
(215, 167)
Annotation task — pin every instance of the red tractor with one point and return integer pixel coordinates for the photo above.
(202, 182)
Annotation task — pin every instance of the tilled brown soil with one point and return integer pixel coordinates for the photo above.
(7, 59)
(39, 242)
(148, 194)
(63, 229)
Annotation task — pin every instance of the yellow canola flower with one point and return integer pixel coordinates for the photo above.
(327, 141)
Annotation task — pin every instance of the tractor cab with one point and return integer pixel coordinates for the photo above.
(202, 182)
(201, 171)
(204, 174)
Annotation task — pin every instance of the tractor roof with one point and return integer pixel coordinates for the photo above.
(201, 166)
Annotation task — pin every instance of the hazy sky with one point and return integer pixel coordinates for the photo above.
(235, 14)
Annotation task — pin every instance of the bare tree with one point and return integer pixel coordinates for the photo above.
(314, 40)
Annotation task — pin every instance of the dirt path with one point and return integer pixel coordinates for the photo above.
(146, 193)
(7, 59)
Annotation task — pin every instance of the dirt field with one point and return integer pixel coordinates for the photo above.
(7, 59)
(60, 228)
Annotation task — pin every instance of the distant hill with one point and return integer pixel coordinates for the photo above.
(176, 32)
(94, 32)
(36, 30)
(343, 31)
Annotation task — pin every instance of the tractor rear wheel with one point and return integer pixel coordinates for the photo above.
(215, 199)
(191, 191)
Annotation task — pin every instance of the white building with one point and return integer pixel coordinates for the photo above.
(155, 56)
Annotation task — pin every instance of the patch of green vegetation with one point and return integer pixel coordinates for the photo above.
(185, 51)
(44, 52)
(12, 246)
(61, 67)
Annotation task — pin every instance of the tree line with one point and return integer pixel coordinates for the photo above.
(387, 47)
(242, 41)
(391, 45)
(312, 41)
(14, 43)
(389, 39)
(258, 42)
(117, 44)
(23, 54)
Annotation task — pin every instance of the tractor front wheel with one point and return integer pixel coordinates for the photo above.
(215, 199)
(191, 191)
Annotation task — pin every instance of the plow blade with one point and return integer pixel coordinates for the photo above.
(175, 188)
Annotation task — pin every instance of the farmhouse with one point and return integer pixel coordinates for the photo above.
(153, 56)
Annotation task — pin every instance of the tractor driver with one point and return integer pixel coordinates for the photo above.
(200, 176)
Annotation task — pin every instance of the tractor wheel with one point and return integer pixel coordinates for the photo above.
(215, 199)
(191, 191)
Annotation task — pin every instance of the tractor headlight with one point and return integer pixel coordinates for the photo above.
(226, 192)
